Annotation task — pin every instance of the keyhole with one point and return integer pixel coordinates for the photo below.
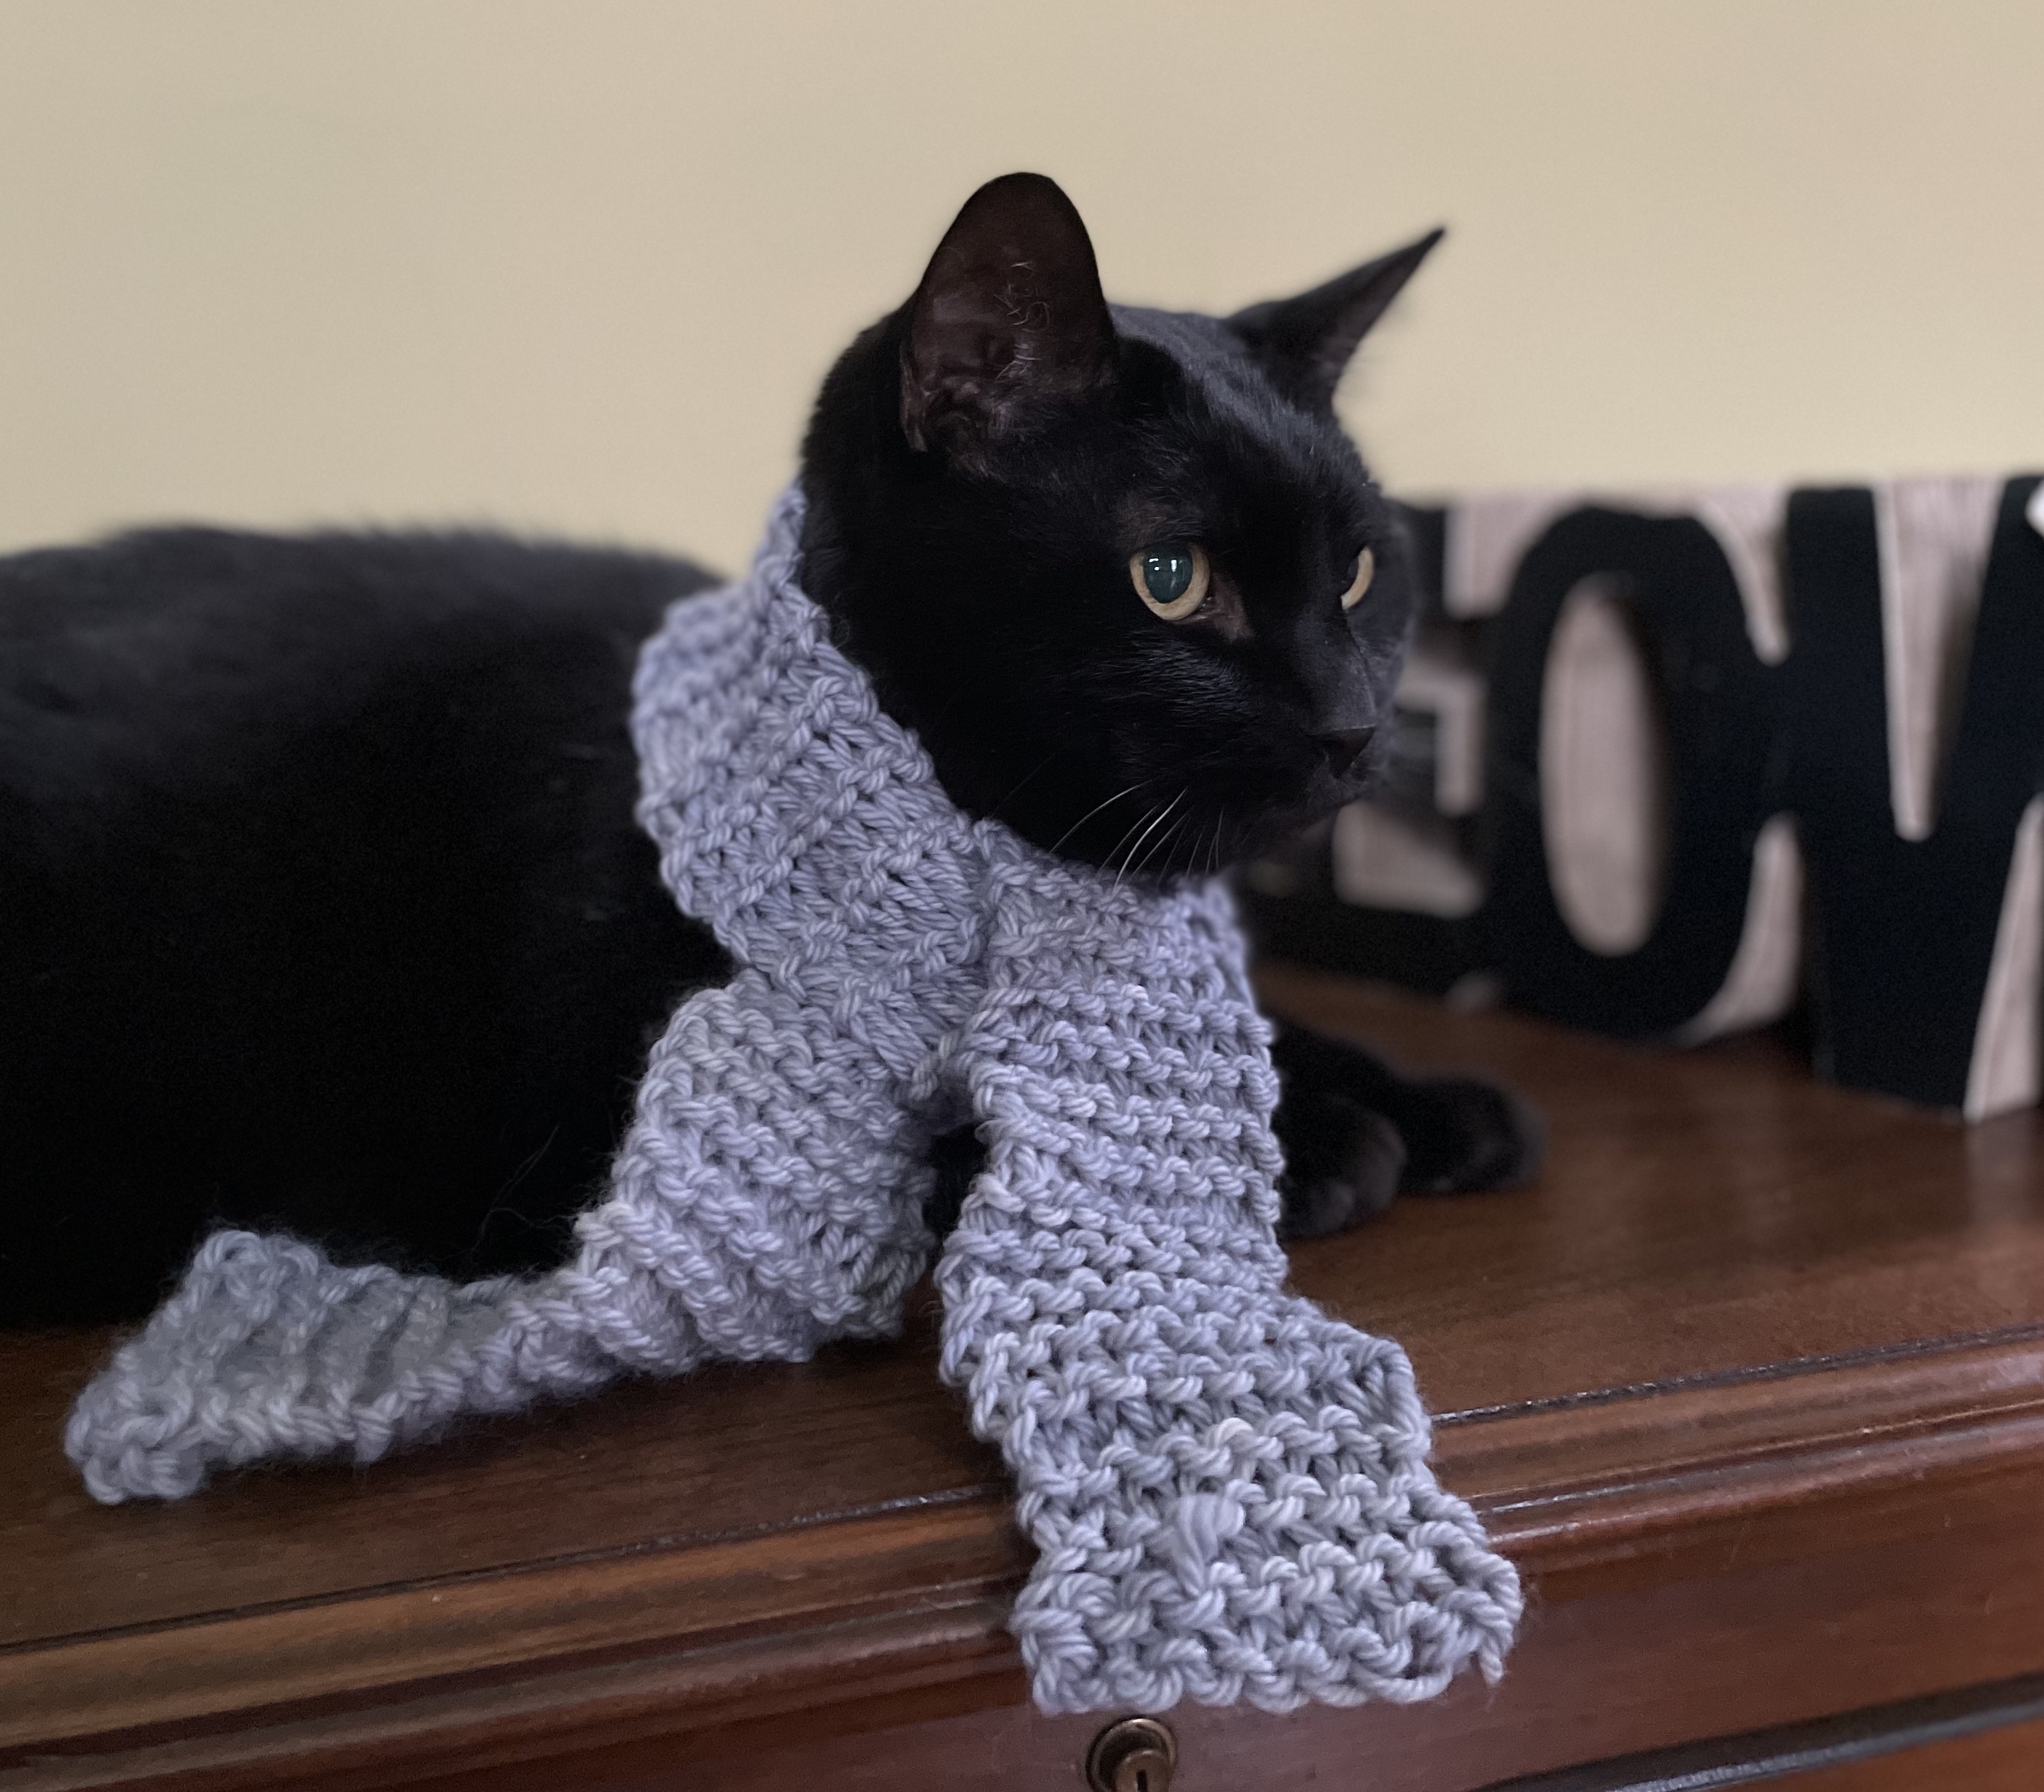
(1146, 1768)
(1135, 1754)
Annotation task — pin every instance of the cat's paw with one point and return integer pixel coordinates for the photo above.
(1461, 1134)
(1344, 1164)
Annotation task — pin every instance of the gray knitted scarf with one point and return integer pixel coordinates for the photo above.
(1228, 1489)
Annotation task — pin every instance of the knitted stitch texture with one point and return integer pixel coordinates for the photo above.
(1228, 1489)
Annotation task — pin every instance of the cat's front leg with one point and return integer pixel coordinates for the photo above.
(1357, 1133)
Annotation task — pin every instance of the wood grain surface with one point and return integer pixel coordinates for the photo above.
(1998, 1760)
(1751, 1385)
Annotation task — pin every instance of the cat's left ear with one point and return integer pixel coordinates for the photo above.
(1009, 327)
(1304, 343)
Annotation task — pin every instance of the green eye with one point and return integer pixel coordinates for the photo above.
(1171, 578)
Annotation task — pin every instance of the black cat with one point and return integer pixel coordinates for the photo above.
(321, 904)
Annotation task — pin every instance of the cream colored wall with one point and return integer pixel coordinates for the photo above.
(578, 264)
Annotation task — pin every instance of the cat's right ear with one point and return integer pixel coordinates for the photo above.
(1009, 327)
(1304, 343)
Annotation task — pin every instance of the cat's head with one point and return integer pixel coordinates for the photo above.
(1120, 569)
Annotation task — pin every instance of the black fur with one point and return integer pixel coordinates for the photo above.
(985, 581)
(323, 905)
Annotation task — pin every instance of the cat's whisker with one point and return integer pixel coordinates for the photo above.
(1144, 820)
(1185, 820)
(1138, 866)
(1095, 810)
(1144, 835)
(1163, 849)
(1218, 827)
(1026, 776)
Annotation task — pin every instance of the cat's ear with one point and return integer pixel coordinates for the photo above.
(1304, 343)
(1009, 326)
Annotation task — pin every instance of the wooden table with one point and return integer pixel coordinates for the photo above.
(1752, 1386)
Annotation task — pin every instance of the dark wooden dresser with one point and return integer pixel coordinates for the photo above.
(1752, 1386)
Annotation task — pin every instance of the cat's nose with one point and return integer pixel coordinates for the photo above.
(1343, 746)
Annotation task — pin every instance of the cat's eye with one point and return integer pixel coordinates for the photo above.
(1366, 569)
(1171, 578)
